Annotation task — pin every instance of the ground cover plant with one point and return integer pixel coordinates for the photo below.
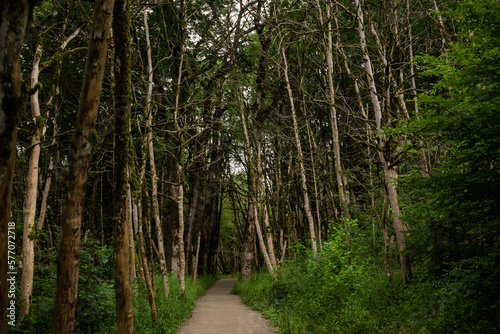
(95, 310)
(341, 290)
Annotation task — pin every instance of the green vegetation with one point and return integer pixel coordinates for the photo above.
(342, 290)
(95, 311)
(172, 313)
(452, 214)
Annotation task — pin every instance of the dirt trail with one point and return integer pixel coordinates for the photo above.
(219, 312)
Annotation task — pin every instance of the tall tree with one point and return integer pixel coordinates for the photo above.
(79, 161)
(13, 23)
(121, 197)
(302, 169)
(389, 168)
(152, 164)
(29, 208)
(327, 46)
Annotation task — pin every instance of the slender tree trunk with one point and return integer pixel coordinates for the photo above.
(196, 258)
(121, 194)
(13, 22)
(144, 261)
(389, 171)
(57, 92)
(442, 29)
(260, 114)
(79, 161)
(154, 186)
(180, 173)
(328, 51)
(180, 236)
(132, 266)
(29, 209)
(313, 148)
(387, 266)
(192, 216)
(307, 207)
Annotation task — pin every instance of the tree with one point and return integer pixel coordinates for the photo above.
(79, 161)
(14, 20)
(152, 164)
(122, 215)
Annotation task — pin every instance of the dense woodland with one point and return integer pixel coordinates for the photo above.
(348, 149)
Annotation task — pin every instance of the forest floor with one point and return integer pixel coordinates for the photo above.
(220, 312)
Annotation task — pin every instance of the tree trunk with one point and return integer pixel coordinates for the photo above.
(385, 232)
(121, 194)
(328, 52)
(29, 209)
(132, 266)
(192, 216)
(13, 22)
(196, 258)
(79, 160)
(144, 261)
(389, 171)
(307, 207)
(154, 186)
(252, 192)
(180, 172)
(313, 148)
(260, 115)
(180, 237)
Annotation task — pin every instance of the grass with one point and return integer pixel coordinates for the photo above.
(334, 293)
(174, 311)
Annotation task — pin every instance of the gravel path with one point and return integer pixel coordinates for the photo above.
(219, 312)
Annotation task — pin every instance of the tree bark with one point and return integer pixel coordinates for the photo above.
(196, 258)
(389, 171)
(121, 194)
(154, 186)
(29, 209)
(328, 52)
(180, 169)
(144, 261)
(79, 160)
(13, 22)
(305, 194)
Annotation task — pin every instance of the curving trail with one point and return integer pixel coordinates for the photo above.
(219, 312)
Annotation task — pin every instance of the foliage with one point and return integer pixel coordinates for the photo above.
(95, 311)
(455, 211)
(460, 200)
(338, 292)
(172, 312)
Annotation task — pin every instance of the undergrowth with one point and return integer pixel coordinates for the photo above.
(172, 312)
(340, 290)
(95, 310)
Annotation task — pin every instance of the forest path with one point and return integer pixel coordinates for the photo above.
(220, 312)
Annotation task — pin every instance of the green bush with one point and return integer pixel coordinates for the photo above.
(341, 291)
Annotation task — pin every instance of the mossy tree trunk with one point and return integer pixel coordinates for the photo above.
(79, 161)
(13, 23)
(122, 147)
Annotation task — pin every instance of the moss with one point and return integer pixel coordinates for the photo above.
(93, 137)
(40, 122)
(59, 56)
(134, 183)
(31, 91)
